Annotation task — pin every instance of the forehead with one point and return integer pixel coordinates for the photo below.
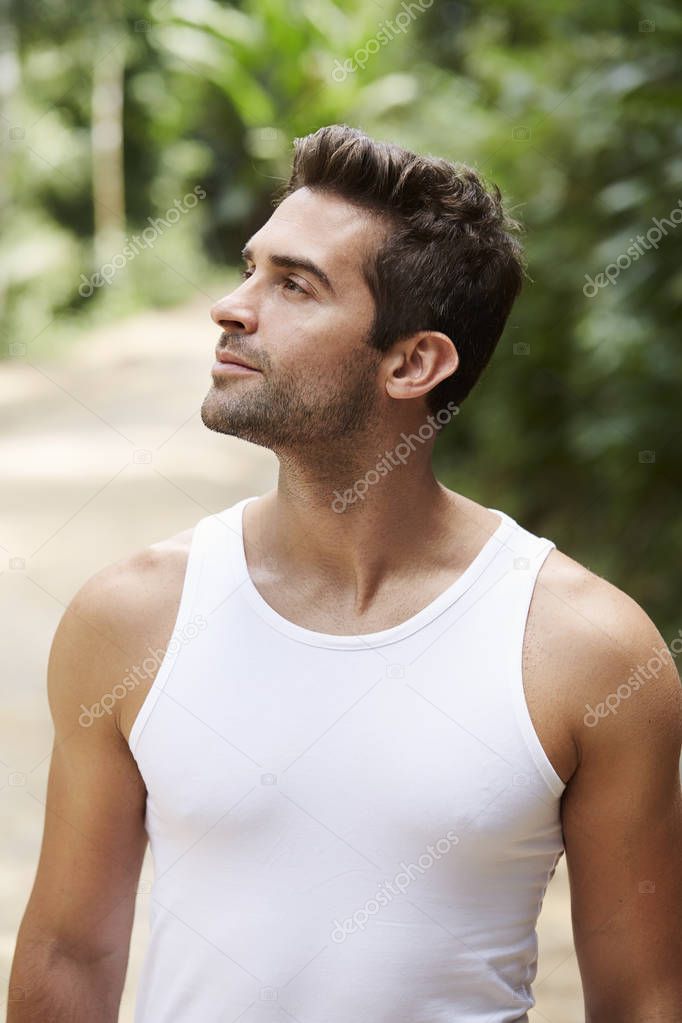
(325, 228)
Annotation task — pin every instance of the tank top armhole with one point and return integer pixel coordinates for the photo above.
(544, 765)
(187, 601)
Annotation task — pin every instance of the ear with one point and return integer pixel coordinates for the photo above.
(416, 364)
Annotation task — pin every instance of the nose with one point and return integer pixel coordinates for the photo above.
(233, 314)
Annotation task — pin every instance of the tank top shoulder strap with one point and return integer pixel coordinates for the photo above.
(190, 616)
(509, 606)
(523, 545)
(213, 557)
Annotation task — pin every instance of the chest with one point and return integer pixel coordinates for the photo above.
(546, 716)
(284, 750)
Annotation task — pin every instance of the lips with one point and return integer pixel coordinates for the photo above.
(222, 355)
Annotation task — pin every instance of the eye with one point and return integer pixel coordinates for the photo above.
(291, 285)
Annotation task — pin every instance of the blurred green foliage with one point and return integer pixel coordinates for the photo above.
(574, 110)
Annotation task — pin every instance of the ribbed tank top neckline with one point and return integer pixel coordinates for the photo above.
(234, 516)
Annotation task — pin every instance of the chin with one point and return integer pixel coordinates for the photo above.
(214, 413)
(217, 415)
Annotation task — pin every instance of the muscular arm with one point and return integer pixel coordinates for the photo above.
(72, 948)
(622, 809)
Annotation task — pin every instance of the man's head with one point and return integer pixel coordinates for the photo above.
(382, 275)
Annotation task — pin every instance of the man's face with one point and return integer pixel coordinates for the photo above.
(301, 316)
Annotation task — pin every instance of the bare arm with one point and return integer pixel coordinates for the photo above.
(72, 949)
(622, 810)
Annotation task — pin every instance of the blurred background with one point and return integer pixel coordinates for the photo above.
(141, 144)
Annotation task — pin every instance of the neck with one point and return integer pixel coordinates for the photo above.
(400, 522)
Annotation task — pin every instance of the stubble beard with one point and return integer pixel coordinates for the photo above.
(296, 410)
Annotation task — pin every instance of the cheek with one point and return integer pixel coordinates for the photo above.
(305, 333)
(287, 321)
(315, 340)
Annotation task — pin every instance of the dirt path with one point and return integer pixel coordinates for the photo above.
(100, 454)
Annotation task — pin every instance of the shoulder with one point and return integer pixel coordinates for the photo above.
(111, 619)
(601, 657)
(114, 598)
(620, 696)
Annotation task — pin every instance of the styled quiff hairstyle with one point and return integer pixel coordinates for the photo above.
(449, 261)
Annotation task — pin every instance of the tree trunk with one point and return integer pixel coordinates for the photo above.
(108, 188)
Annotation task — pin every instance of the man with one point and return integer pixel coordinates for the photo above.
(377, 711)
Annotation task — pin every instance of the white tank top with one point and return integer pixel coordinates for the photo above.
(345, 829)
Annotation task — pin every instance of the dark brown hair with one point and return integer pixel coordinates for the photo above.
(449, 261)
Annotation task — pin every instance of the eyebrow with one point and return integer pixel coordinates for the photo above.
(294, 263)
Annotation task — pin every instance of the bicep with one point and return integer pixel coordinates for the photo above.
(622, 821)
(94, 836)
